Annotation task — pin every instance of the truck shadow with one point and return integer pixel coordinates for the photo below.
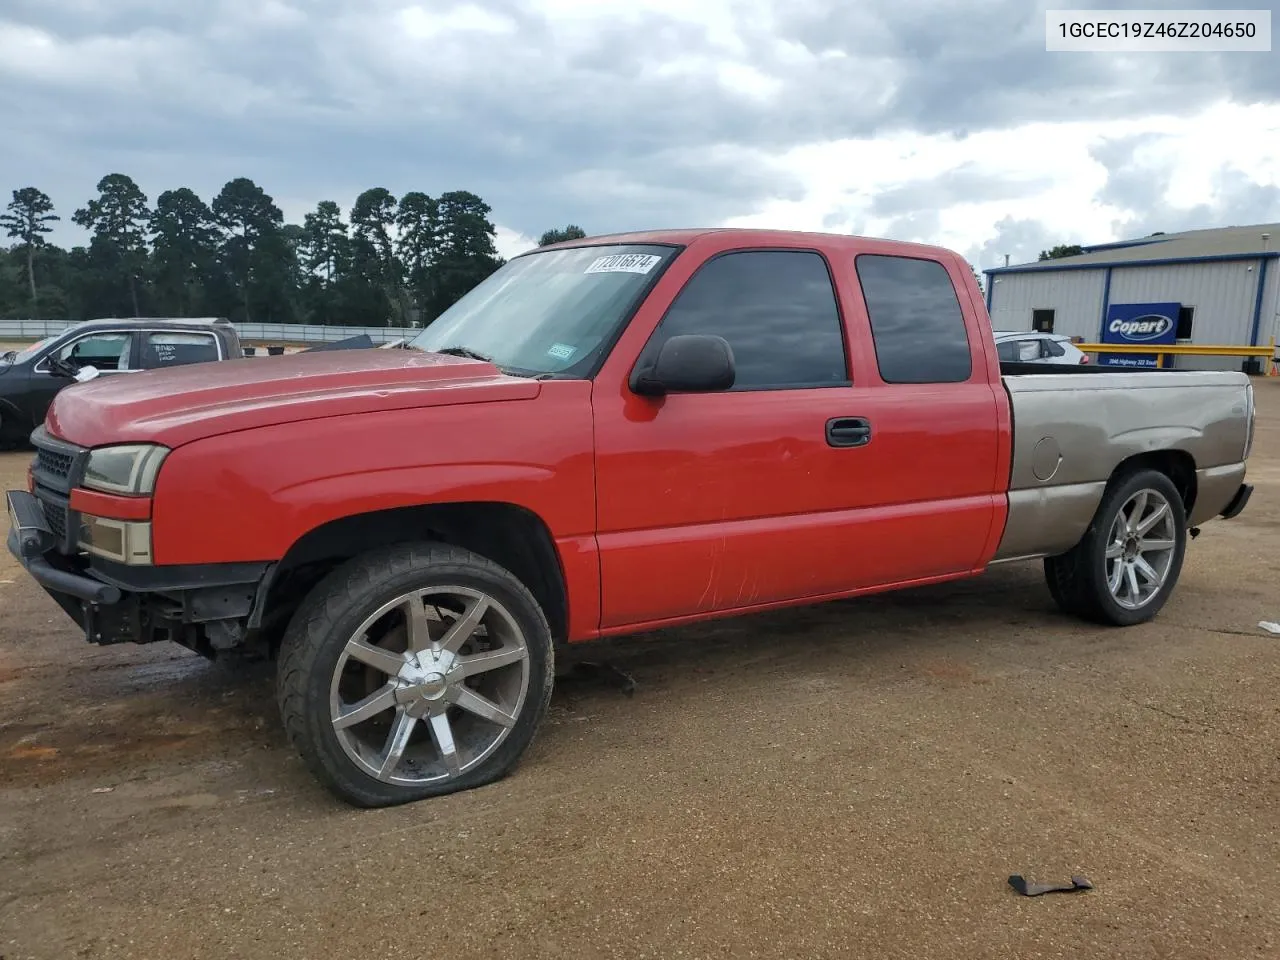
(136, 713)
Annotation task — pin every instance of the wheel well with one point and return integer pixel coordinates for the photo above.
(1177, 465)
(511, 536)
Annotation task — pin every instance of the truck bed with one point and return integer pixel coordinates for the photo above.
(1070, 433)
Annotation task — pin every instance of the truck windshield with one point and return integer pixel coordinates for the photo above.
(549, 312)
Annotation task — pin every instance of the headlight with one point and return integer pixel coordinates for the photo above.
(130, 468)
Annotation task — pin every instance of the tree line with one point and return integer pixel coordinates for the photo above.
(391, 261)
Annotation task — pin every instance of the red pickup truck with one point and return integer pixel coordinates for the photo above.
(605, 436)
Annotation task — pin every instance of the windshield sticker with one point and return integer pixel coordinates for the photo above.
(624, 263)
(561, 351)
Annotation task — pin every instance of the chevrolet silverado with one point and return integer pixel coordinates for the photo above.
(605, 436)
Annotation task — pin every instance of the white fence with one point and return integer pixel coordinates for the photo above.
(250, 333)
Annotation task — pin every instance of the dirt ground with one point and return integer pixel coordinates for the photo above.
(855, 779)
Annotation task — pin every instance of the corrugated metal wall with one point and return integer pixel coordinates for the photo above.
(1269, 327)
(1223, 295)
(1075, 296)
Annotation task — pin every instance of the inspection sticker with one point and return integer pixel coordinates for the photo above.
(561, 351)
(624, 263)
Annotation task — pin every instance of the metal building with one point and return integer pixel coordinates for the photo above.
(1200, 287)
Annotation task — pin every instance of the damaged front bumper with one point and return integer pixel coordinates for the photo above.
(206, 608)
(31, 541)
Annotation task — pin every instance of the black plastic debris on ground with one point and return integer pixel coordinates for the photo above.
(1020, 883)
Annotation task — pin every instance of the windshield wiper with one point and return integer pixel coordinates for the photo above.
(464, 352)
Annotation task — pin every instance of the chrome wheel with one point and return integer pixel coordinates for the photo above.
(1140, 549)
(429, 685)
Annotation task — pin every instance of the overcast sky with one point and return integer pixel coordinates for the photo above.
(920, 121)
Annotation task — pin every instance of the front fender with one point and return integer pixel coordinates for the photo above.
(248, 496)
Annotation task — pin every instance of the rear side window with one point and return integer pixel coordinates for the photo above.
(177, 349)
(916, 321)
(777, 309)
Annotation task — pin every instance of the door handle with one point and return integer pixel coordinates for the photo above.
(848, 432)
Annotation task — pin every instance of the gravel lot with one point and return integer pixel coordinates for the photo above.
(856, 779)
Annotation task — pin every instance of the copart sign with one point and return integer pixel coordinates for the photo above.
(1146, 324)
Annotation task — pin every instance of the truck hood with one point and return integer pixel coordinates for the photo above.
(183, 404)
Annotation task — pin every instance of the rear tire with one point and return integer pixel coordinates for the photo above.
(1127, 564)
(412, 672)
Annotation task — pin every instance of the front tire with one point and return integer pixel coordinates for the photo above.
(412, 672)
(1125, 567)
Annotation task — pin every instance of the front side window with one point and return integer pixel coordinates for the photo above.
(776, 308)
(104, 351)
(916, 320)
(552, 312)
(176, 349)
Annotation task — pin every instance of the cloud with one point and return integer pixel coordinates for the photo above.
(965, 183)
(1019, 190)
(895, 117)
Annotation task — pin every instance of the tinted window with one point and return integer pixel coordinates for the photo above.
(778, 311)
(176, 349)
(916, 321)
(1053, 348)
(1007, 349)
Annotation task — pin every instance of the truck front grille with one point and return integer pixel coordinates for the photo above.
(56, 515)
(53, 463)
(57, 468)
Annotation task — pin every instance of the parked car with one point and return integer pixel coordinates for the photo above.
(1032, 347)
(30, 378)
(606, 436)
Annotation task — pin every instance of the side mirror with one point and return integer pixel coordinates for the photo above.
(694, 363)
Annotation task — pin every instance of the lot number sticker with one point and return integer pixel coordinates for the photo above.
(562, 351)
(624, 263)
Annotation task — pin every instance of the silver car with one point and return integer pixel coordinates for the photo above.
(1024, 346)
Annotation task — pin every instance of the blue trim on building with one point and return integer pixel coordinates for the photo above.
(1106, 304)
(1165, 262)
(988, 285)
(1257, 301)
